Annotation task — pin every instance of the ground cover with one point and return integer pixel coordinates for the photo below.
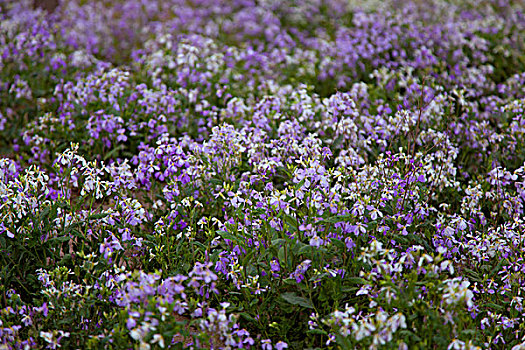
(262, 174)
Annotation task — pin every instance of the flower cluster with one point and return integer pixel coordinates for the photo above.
(250, 174)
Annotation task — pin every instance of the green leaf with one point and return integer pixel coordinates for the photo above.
(248, 257)
(65, 260)
(280, 255)
(114, 151)
(97, 216)
(498, 267)
(473, 275)
(60, 239)
(409, 334)
(337, 142)
(470, 333)
(351, 290)
(294, 299)
(316, 331)
(199, 244)
(343, 341)
(306, 249)
(299, 184)
(494, 306)
(291, 282)
(229, 236)
(44, 213)
(258, 211)
(248, 317)
(338, 218)
(291, 222)
(277, 242)
(356, 280)
(339, 244)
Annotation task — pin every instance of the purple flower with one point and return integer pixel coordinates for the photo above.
(281, 345)
(130, 323)
(274, 265)
(266, 344)
(300, 270)
(350, 245)
(43, 309)
(316, 241)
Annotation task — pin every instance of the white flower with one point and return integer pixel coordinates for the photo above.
(135, 334)
(519, 346)
(364, 330)
(144, 346)
(157, 338)
(364, 290)
(447, 264)
(48, 336)
(456, 290)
